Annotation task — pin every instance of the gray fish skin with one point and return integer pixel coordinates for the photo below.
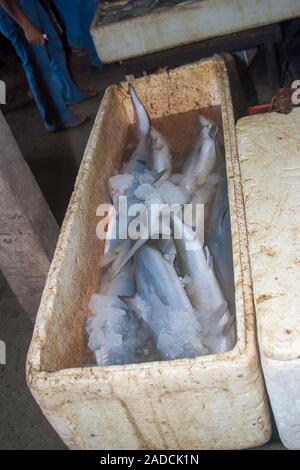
(141, 158)
(202, 160)
(163, 280)
(167, 248)
(220, 243)
(115, 244)
(204, 291)
(202, 195)
(171, 316)
(161, 154)
(121, 284)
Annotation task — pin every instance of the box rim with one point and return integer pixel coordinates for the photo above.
(244, 345)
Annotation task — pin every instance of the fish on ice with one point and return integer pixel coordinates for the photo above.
(202, 159)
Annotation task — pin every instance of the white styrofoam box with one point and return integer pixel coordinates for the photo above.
(269, 153)
(210, 402)
(185, 24)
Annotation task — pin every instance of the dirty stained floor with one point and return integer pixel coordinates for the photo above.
(54, 160)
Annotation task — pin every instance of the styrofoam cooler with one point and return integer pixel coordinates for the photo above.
(269, 153)
(185, 24)
(212, 402)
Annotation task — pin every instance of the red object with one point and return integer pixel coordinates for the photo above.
(281, 102)
(259, 108)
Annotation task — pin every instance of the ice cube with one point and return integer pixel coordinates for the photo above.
(143, 191)
(113, 340)
(121, 182)
(146, 177)
(96, 339)
(172, 194)
(99, 301)
(102, 356)
(167, 344)
(111, 315)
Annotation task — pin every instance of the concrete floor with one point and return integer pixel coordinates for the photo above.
(54, 160)
(22, 425)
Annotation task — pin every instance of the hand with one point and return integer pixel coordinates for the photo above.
(34, 36)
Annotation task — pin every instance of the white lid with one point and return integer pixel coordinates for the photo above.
(269, 153)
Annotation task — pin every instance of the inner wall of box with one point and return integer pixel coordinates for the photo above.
(166, 94)
(76, 267)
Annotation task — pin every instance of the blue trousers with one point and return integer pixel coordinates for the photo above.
(77, 16)
(68, 13)
(45, 66)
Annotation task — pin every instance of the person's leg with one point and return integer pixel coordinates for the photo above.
(68, 12)
(60, 74)
(36, 64)
(87, 12)
(52, 114)
(57, 68)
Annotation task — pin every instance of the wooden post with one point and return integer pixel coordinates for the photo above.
(28, 230)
